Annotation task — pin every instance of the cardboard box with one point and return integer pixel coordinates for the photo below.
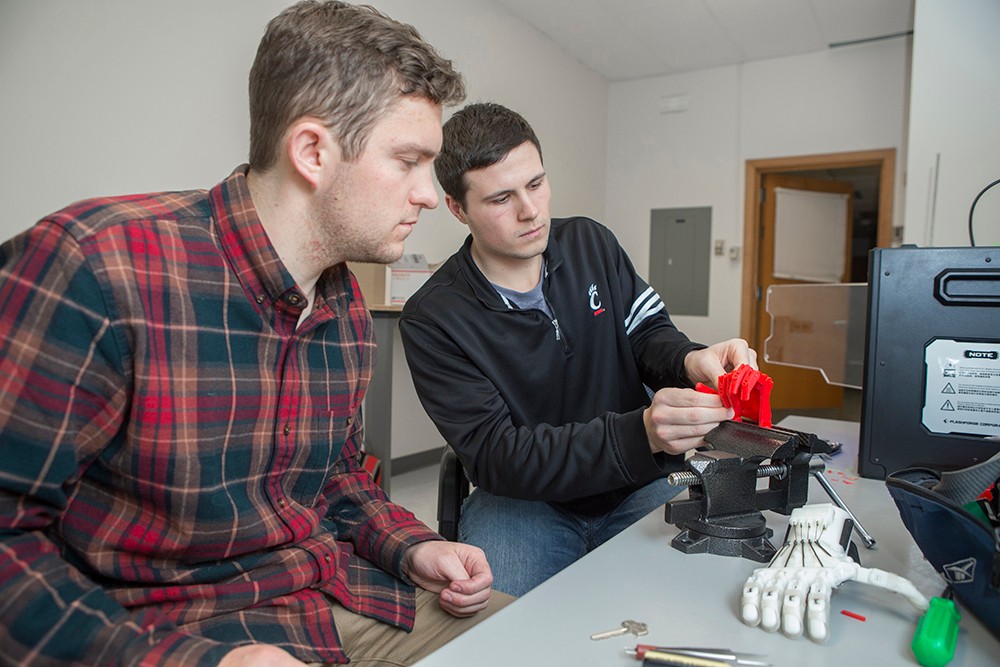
(392, 284)
(404, 282)
(373, 280)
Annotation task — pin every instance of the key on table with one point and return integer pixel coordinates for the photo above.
(634, 627)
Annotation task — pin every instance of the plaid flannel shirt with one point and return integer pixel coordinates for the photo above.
(179, 464)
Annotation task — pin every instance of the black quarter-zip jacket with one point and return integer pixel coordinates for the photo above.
(548, 409)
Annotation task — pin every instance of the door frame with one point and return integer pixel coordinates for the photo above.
(884, 159)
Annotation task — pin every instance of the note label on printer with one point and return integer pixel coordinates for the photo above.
(962, 388)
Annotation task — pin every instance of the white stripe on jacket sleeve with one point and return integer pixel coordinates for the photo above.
(648, 303)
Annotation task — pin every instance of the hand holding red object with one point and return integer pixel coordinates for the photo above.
(747, 391)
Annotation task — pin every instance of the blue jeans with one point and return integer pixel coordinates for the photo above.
(528, 541)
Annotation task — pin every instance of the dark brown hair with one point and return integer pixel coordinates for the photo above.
(476, 137)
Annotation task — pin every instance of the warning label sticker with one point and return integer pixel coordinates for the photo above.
(962, 394)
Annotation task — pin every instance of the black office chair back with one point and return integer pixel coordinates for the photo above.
(453, 489)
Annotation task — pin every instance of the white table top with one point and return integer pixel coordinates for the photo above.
(693, 599)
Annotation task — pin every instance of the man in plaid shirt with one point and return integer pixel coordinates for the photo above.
(181, 379)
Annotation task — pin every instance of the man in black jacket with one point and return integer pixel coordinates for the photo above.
(536, 350)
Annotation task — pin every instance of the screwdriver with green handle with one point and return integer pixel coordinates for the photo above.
(937, 633)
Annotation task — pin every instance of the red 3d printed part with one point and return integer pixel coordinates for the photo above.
(747, 391)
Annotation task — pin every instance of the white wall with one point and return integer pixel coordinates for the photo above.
(846, 99)
(117, 96)
(111, 96)
(955, 99)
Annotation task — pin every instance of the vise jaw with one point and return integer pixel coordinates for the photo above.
(722, 513)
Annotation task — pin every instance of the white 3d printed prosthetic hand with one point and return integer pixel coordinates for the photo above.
(793, 591)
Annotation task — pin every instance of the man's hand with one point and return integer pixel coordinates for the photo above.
(259, 655)
(459, 574)
(678, 419)
(708, 364)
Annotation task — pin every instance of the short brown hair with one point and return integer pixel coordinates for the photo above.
(344, 64)
(476, 137)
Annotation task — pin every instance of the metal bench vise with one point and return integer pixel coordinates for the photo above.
(722, 513)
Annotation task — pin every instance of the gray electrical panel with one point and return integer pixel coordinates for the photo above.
(679, 254)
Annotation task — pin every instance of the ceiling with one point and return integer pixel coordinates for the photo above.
(631, 39)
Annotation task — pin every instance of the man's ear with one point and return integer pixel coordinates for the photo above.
(311, 149)
(456, 208)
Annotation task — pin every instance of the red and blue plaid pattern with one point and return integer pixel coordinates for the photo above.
(180, 466)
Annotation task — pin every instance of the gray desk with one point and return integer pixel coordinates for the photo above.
(378, 402)
(692, 600)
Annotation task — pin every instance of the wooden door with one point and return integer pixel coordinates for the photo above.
(794, 388)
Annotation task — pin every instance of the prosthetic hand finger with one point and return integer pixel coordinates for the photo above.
(739, 377)
(704, 388)
(729, 391)
(771, 597)
(793, 607)
(894, 583)
(818, 611)
(750, 602)
(764, 401)
(752, 407)
(748, 380)
(724, 391)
